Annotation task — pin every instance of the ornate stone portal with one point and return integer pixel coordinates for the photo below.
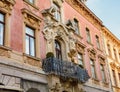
(54, 30)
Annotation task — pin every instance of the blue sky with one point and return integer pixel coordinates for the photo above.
(109, 12)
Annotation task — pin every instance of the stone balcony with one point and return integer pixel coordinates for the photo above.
(65, 70)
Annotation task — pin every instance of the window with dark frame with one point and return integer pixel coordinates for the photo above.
(115, 54)
(80, 59)
(57, 13)
(76, 26)
(93, 73)
(2, 28)
(30, 41)
(97, 42)
(88, 35)
(114, 77)
(103, 72)
(109, 50)
(58, 50)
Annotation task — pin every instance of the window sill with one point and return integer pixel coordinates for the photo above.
(78, 35)
(32, 57)
(90, 43)
(99, 49)
(33, 5)
(5, 48)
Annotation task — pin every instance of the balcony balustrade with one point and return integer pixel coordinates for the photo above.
(64, 69)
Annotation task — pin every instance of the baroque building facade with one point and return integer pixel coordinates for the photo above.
(30, 29)
(112, 47)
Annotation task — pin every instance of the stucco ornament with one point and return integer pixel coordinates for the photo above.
(55, 88)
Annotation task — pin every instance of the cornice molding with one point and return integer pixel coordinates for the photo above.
(85, 12)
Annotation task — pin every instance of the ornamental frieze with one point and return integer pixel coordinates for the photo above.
(7, 5)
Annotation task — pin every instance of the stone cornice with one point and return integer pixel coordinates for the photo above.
(86, 12)
(110, 35)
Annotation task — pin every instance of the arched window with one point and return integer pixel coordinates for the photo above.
(58, 50)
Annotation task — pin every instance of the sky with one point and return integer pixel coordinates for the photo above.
(109, 12)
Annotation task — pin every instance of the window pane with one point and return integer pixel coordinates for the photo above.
(80, 59)
(27, 45)
(32, 47)
(1, 17)
(31, 1)
(29, 31)
(1, 33)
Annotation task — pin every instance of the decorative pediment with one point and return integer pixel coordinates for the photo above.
(92, 53)
(113, 65)
(101, 59)
(31, 19)
(6, 5)
(80, 47)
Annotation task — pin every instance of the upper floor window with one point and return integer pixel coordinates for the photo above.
(103, 72)
(109, 50)
(31, 1)
(30, 41)
(80, 59)
(93, 73)
(88, 35)
(115, 54)
(2, 26)
(114, 77)
(76, 26)
(58, 50)
(57, 13)
(97, 42)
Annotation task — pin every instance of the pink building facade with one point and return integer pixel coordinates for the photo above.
(30, 29)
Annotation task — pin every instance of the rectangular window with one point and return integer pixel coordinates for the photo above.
(30, 41)
(102, 72)
(2, 26)
(115, 55)
(114, 78)
(93, 68)
(76, 26)
(88, 35)
(80, 59)
(97, 42)
(57, 13)
(109, 50)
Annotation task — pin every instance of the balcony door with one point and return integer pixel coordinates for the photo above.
(58, 51)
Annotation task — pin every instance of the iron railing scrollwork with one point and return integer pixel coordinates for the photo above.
(65, 69)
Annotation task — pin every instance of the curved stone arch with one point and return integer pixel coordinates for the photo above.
(63, 47)
(33, 90)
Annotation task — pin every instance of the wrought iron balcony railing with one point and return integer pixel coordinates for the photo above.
(65, 69)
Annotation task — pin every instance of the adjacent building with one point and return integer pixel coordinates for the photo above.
(112, 47)
(53, 46)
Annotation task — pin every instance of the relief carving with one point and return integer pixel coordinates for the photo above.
(101, 59)
(10, 81)
(31, 19)
(56, 88)
(7, 5)
(92, 53)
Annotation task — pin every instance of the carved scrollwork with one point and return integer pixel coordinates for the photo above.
(7, 5)
(92, 53)
(31, 19)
